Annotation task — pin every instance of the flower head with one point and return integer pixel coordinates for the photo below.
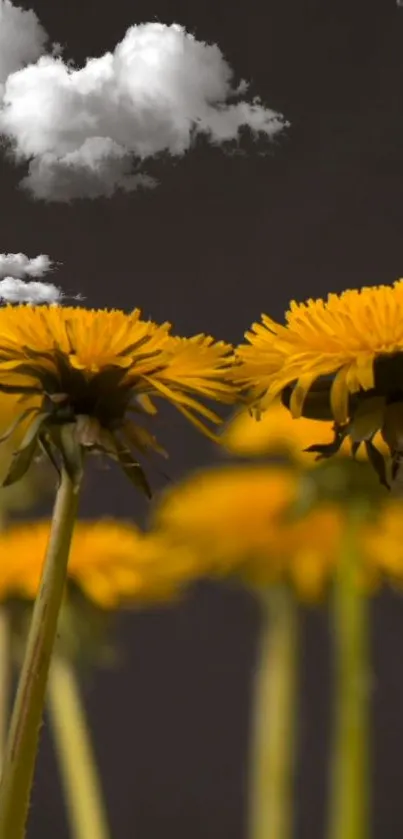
(305, 553)
(227, 513)
(242, 522)
(111, 562)
(81, 373)
(245, 523)
(340, 359)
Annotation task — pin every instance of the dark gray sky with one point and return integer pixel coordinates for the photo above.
(223, 238)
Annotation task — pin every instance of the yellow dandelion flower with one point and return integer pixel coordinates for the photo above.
(81, 373)
(227, 512)
(241, 522)
(276, 431)
(113, 563)
(341, 359)
(306, 552)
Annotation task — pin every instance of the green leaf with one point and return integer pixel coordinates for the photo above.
(22, 458)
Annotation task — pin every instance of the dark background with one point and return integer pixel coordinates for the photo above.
(222, 239)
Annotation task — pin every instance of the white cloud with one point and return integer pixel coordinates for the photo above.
(18, 291)
(86, 132)
(99, 167)
(13, 289)
(22, 39)
(18, 265)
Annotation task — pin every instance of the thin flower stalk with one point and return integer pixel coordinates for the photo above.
(77, 764)
(5, 678)
(349, 792)
(22, 743)
(274, 722)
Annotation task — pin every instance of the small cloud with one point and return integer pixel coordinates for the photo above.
(22, 39)
(18, 265)
(87, 132)
(17, 291)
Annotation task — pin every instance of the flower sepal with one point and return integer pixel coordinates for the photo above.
(132, 468)
(325, 450)
(23, 456)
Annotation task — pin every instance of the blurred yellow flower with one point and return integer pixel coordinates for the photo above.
(276, 432)
(305, 553)
(112, 563)
(227, 513)
(243, 522)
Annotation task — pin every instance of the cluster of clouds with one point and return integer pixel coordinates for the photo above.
(88, 131)
(15, 289)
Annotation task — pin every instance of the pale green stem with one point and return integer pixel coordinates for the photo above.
(349, 794)
(5, 678)
(5, 663)
(273, 734)
(77, 765)
(22, 743)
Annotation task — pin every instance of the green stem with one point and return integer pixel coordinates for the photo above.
(77, 764)
(5, 674)
(349, 794)
(22, 744)
(273, 737)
